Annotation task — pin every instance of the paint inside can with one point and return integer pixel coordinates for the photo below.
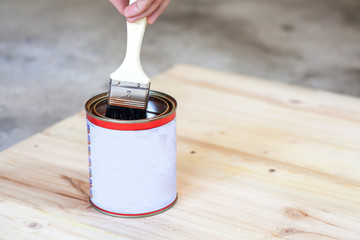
(132, 164)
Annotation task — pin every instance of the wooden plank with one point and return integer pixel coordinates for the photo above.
(22, 222)
(256, 160)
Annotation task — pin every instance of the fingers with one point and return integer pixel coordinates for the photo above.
(145, 8)
(134, 17)
(120, 4)
(153, 16)
(138, 7)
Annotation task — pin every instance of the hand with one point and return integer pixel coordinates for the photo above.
(140, 9)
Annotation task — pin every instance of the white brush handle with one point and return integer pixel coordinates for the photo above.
(131, 69)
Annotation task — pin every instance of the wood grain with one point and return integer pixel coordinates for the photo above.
(256, 160)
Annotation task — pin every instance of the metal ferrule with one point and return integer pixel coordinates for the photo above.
(128, 94)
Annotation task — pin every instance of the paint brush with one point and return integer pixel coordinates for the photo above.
(129, 85)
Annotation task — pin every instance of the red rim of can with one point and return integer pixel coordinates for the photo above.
(131, 125)
(137, 215)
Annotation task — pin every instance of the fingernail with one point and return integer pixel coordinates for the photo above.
(130, 20)
(125, 12)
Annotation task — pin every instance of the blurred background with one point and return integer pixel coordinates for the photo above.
(55, 55)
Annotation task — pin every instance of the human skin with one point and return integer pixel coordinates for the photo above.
(151, 9)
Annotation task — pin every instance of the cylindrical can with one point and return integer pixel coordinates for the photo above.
(132, 163)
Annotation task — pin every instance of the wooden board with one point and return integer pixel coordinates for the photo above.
(256, 160)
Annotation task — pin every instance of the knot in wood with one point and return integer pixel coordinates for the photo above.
(34, 225)
(287, 231)
(295, 101)
(295, 213)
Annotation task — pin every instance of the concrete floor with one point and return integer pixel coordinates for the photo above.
(55, 54)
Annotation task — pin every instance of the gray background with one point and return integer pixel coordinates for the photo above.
(56, 54)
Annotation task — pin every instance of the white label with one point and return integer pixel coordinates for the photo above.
(132, 172)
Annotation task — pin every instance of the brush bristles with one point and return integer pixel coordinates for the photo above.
(125, 113)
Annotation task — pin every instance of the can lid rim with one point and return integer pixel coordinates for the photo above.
(142, 124)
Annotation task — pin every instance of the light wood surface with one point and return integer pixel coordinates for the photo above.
(256, 160)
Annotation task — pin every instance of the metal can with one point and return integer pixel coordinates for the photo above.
(132, 164)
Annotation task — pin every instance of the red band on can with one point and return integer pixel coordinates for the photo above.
(131, 126)
(134, 215)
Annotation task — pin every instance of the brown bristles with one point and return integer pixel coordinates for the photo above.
(125, 113)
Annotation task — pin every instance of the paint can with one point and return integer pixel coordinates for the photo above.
(132, 164)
